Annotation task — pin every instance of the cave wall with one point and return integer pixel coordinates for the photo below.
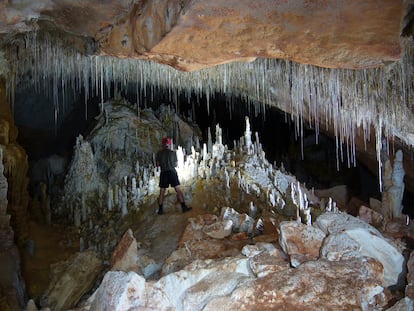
(14, 201)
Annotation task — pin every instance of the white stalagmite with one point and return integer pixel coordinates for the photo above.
(393, 183)
(218, 148)
(209, 141)
(252, 210)
(248, 136)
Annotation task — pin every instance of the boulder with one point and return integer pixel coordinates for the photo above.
(301, 242)
(219, 230)
(405, 304)
(212, 285)
(269, 261)
(371, 217)
(352, 237)
(181, 287)
(71, 279)
(409, 290)
(338, 193)
(398, 229)
(119, 291)
(314, 285)
(125, 255)
(375, 204)
(255, 249)
(353, 206)
(229, 284)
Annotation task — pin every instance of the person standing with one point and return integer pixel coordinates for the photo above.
(166, 159)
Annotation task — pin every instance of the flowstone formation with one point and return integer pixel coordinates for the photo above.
(255, 239)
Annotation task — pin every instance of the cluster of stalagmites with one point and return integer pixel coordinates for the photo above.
(287, 249)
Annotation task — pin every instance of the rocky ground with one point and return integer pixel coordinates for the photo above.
(256, 239)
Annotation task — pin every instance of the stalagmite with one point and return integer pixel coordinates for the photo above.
(248, 136)
(393, 183)
(252, 210)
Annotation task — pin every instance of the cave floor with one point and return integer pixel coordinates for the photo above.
(158, 235)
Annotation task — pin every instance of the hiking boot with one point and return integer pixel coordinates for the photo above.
(160, 211)
(186, 209)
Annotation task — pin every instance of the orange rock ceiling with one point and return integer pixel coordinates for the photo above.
(190, 35)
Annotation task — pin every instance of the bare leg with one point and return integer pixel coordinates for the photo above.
(161, 200)
(180, 195)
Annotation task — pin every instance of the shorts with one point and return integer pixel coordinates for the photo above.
(168, 178)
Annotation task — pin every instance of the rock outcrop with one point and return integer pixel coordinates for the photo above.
(71, 279)
(13, 209)
(349, 237)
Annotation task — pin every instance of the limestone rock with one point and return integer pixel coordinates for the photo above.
(255, 249)
(336, 222)
(31, 306)
(147, 265)
(219, 230)
(352, 237)
(338, 193)
(295, 30)
(175, 285)
(409, 290)
(125, 255)
(353, 206)
(119, 291)
(375, 204)
(371, 217)
(12, 286)
(228, 284)
(269, 261)
(251, 250)
(314, 285)
(176, 261)
(301, 242)
(405, 304)
(212, 285)
(393, 184)
(397, 228)
(71, 279)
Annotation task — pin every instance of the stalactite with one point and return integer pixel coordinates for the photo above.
(343, 99)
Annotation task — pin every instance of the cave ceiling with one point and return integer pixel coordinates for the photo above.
(190, 35)
(194, 36)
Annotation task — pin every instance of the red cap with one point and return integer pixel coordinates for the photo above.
(166, 141)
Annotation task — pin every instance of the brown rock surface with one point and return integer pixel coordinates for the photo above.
(300, 242)
(13, 209)
(71, 279)
(409, 290)
(196, 34)
(314, 285)
(370, 216)
(125, 255)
